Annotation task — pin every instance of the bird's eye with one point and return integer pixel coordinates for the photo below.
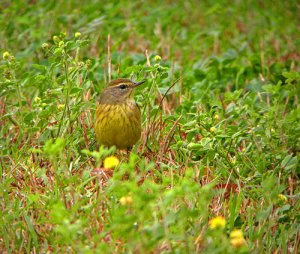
(123, 86)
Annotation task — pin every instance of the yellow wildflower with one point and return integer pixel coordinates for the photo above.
(88, 63)
(77, 35)
(61, 106)
(217, 222)
(233, 160)
(237, 238)
(111, 162)
(37, 99)
(61, 44)
(127, 200)
(213, 129)
(216, 117)
(56, 39)
(6, 55)
(282, 198)
(157, 58)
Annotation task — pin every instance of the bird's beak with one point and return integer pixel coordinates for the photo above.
(135, 84)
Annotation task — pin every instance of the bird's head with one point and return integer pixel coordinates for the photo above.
(118, 91)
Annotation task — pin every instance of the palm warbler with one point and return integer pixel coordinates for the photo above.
(118, 118)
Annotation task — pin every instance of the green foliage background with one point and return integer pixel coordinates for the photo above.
(223, 141)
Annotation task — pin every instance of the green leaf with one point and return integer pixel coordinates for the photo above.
(54, 147)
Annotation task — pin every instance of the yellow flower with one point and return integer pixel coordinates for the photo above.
(233, 160)
(6, 55)
(111, 162)
(237, 242)
(237, 233)
(77, 35)
(61, 106)
(237, 238)
(217, 222)
(56, 39)
(88, 63)
(127, 200)
(61, 44)
(213, 129)
(157, 58)
(37, 99)
(216, 117)
(282, 198)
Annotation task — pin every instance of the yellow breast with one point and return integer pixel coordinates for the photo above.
(118, 125)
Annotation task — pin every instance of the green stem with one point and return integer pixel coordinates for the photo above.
(15, 123)
(231, 165)
(66, 108)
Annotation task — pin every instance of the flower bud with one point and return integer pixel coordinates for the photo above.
(213, 129)
(157, 58)
(56, 39)
(282, 198)
(45, 46)
(88, 63)
(61, 44)
(77, 35)
(6, 55)
(7, 74)
(61, 106)
(37, 99)
(233, 160)
(62, 35)
(126, 200)
(216, 117)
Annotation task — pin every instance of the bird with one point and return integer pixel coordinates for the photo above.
(118, 117)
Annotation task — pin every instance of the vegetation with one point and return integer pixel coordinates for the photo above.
(217, 166)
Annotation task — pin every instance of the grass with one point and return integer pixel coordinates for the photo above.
(220, 145)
